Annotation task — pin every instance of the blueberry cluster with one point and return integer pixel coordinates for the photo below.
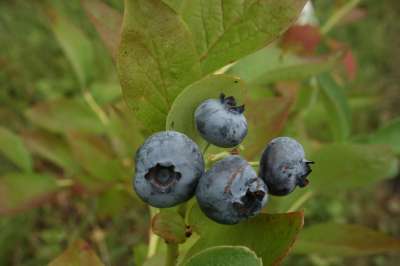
(170, 168)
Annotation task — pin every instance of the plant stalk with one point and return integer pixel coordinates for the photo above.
(172, 254)
(153, 238)
(338, 15)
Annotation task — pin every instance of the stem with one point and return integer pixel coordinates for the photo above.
(338, 15)
(218, 156)
(206, 148)
(182, 209)
(300, 201)
(153, 238)
(172, 254)
(254, 163)
(96, 108)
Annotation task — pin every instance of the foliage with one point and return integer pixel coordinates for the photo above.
(69, 128)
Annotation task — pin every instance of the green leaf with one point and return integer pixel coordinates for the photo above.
(388, 135)
(107, 22)
(271, 64)
(225, 256)
(116, 200)
(22, 191)
(174, 4)
(344, 240)
(63, 115)
(170, 226)
(270, 236)
(105, 92)
(225, 31)
(14, 149)
(255, 65)
(76, 46)
(336, 105)
(6, 166)
(156, 260)
(125, 131)
(157, 58)
(181, 116)
(339, 167)
(51, 147)
(96, 157)
(296, 72)
(79, 253)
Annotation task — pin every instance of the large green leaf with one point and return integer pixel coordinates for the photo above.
(107, 22)
(340, 167)
(181, 116)
(389, 135)
(337, 106)
(225, 256)
(269, 235)
(75, 44)
(22, 191)
(157, 58)
(51, 147)
(63, 115)
(225, 31)
(14, 149)
(344, 240)
(79, 253)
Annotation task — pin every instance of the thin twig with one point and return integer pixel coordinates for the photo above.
(338, 15)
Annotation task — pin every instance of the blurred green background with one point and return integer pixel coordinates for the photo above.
(67, 139)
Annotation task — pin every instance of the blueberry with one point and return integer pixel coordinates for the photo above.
(168, 167)
(230, 191)
(221, 122)
(283, 166)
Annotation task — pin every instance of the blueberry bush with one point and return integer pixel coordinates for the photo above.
(149, 132)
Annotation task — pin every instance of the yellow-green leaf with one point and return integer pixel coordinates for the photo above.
(63, 115)
(79, 253)
(157, 59)
(344, 240)
(275, 233)
(22, 191)
(107, 22)
(12, 147)
(225, 256)
(75, 44)
(339, 167)
(225, 31)
(51, 147)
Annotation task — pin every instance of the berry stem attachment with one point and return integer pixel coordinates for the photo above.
(218, 156)
(254, 163)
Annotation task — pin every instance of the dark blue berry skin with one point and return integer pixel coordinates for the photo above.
(283, 166)
(168, 167)
(221, 122)
(230, 191)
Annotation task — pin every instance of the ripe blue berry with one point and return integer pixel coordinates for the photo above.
(221, 122)
(168, 167)
(230, 191)
(283, 166)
